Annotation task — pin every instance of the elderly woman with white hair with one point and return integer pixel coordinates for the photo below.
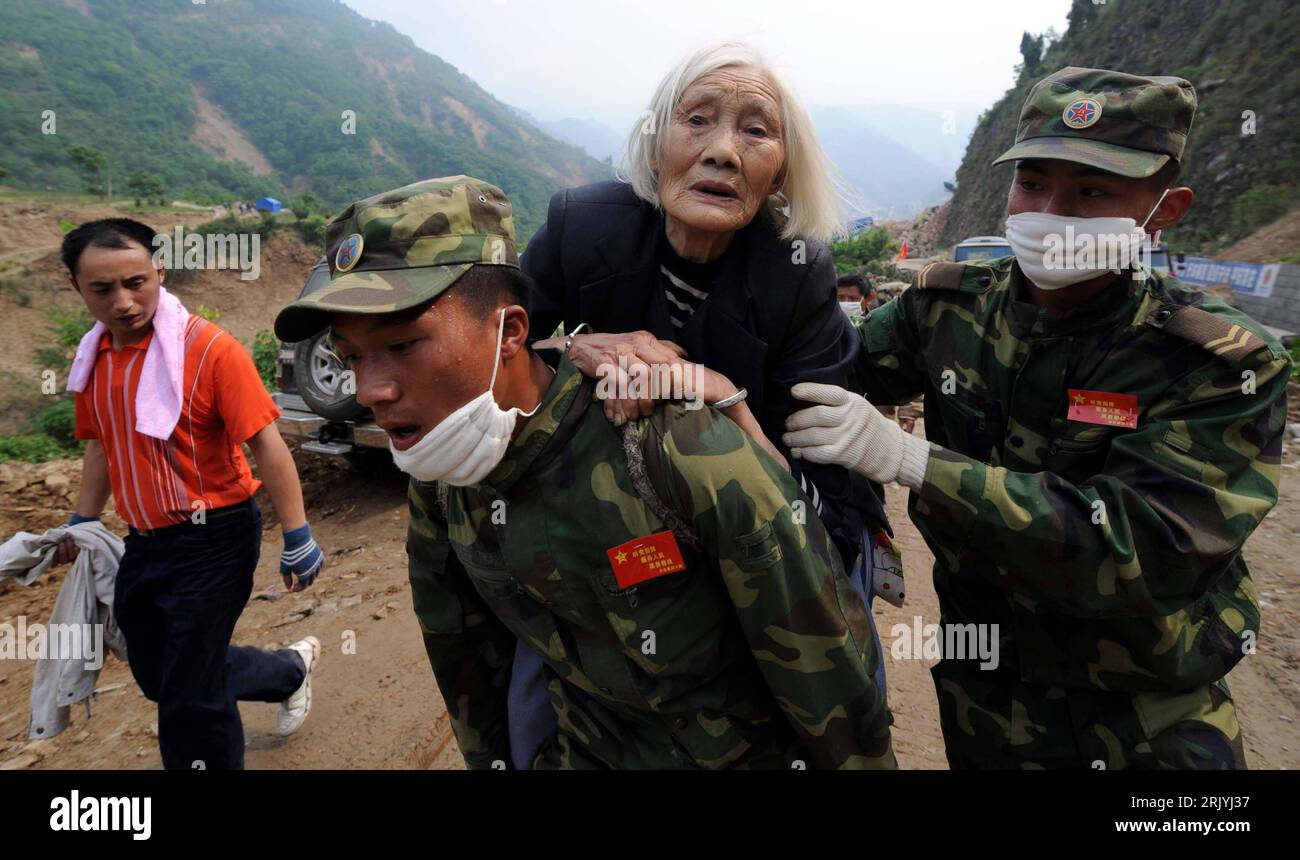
(712, 240)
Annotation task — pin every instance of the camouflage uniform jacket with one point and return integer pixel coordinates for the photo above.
(758, 654)
(1109, 557)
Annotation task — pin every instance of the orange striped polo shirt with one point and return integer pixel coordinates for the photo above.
(223, 403)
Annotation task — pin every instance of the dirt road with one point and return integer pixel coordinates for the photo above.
(379, 707)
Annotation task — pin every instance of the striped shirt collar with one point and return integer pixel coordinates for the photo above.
(106, 342)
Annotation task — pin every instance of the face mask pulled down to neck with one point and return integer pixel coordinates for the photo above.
(464, 447)
(1056, 251)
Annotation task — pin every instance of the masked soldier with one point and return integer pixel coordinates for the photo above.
(1101, 443)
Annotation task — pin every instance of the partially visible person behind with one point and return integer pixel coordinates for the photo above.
(856, 288)
(164, 400)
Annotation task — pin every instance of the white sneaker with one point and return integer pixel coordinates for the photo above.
(293, 710)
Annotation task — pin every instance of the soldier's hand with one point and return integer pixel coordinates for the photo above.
(616, 357)
(847, 430)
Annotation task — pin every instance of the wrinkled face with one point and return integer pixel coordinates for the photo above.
(413, 370)
(1068, 189)
(120, 287)
(723, 152)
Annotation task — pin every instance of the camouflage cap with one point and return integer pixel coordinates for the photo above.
(403, 247)
(1115, 122)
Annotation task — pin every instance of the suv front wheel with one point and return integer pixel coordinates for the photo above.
(319, 375)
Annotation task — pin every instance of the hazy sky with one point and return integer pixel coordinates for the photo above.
(601, 59)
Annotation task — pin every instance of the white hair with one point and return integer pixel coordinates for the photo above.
(811, 189)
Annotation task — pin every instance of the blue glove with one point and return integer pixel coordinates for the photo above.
(77, 519)
(301, 556)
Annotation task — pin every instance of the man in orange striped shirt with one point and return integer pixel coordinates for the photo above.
(195, 531)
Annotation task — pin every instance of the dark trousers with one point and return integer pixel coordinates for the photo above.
(179, 592)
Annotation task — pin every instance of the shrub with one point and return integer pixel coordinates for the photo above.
(856, 251)
(312, 229)
(33, 448)
(885, 270)
(64, 329)
(58, 421)
(266, 224)
(1259, 206)
(266, 353)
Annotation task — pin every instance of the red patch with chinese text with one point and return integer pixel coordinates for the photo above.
(645, 558)
(1103, 407)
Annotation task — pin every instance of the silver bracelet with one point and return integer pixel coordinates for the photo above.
(730, 401)
(568, 339)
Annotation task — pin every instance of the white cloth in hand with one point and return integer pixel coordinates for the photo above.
(847, 430)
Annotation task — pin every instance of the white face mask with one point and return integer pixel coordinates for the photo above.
(464, 447)
(1056, 251)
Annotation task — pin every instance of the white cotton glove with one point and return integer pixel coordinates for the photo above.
(848, 431)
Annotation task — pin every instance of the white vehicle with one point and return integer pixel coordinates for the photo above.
(1156, 256)
(981, 248)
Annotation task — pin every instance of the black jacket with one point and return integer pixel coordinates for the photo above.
(771, 319)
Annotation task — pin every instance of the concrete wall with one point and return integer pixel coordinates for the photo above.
(1282, 308)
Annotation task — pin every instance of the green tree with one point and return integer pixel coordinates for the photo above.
(305, 205)
(146, 186)
(91, 163)
(1082, 13)
(868, 246)
(1031, 50)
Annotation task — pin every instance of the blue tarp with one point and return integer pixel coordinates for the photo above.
(269, 204)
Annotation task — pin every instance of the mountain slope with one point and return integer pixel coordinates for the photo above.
(1241, 55)
(594, 137)
(888, 179)
(245, 97)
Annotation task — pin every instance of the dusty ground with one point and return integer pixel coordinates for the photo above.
(380, 708)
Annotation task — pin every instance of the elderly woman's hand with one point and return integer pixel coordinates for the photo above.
(598, 356)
